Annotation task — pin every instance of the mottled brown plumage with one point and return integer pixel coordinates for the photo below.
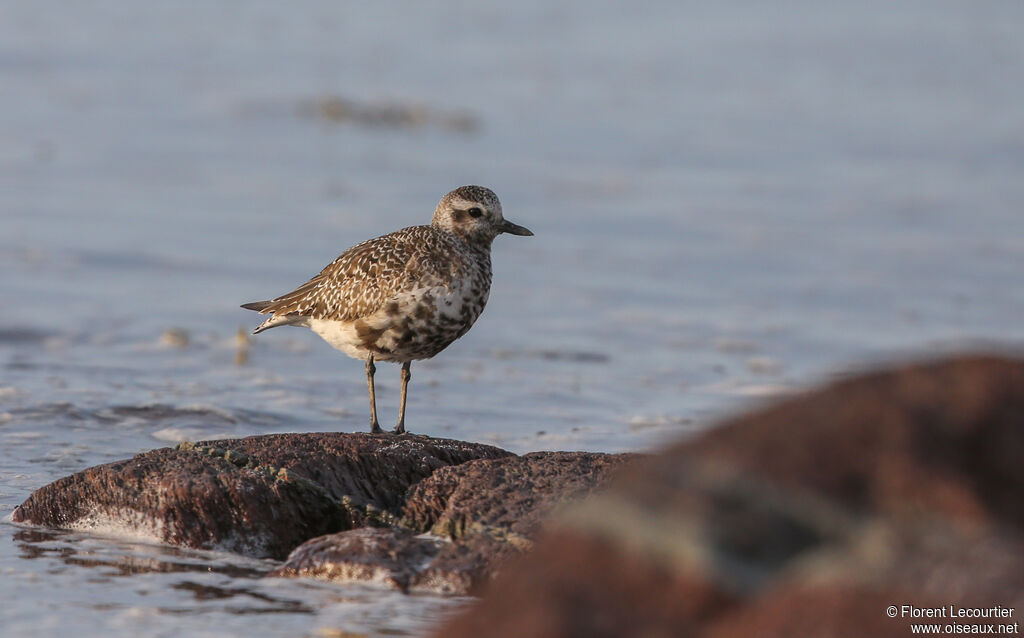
(403, 296)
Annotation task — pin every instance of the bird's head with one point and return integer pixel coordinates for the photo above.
(474, 214)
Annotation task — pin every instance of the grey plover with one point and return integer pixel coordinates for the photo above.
(403, 296)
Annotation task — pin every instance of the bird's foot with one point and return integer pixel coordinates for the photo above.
(399, 429)
(375, 428)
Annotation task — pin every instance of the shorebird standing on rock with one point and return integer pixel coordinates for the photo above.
(403, 296)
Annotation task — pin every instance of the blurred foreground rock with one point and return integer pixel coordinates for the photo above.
(809, 518)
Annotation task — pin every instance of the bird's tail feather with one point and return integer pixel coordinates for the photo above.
(258, 306)
(274, 320)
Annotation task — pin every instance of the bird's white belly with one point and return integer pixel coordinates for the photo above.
(415, 325)
(341, 335)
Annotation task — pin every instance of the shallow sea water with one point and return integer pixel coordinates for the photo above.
(730, 202)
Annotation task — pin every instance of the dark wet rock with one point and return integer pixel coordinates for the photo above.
(184, 498)
(266, 495)
(397, 558)
(388, 557)
(488, 510)
(260, 496)
(364, 469)
(464, 566)
(394, 558)
(807, 518)
(509, 496)
(493, 510)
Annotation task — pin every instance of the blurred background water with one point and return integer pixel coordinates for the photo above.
(731, 201)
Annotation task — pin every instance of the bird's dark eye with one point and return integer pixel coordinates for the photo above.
(475, 212)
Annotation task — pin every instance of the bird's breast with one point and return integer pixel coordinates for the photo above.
(425, 321)
(416, 323)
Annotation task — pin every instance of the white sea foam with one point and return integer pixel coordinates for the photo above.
(121, 523)
(179, 434)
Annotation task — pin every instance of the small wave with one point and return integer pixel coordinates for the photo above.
(180, 434)
(572, 356)
(23, 335)
(144, 414)
(645, 422)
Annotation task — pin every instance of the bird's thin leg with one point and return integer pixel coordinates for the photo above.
(370, 370)
(406, 375)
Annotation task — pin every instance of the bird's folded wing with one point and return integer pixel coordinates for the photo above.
(362, 280)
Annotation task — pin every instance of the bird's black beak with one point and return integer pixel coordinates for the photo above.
(514, 229)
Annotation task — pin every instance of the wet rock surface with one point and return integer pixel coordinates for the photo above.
(388, 557)
(260, 496)
(353, 507)
(187, 499)
(807, 518)
(481, 513)
(513, 494)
